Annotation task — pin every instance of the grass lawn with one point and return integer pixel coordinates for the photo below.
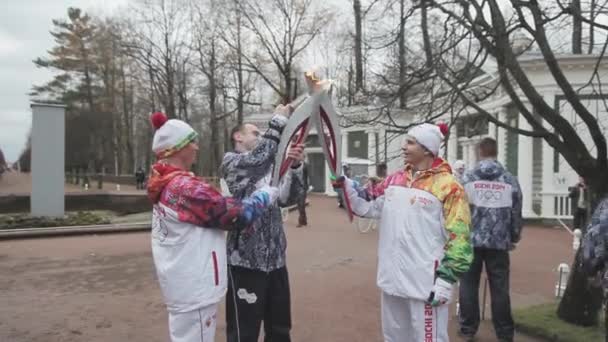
(541, 321)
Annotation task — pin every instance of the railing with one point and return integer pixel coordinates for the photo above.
(555, 205)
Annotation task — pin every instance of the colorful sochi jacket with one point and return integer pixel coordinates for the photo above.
(424, 229)
(595, 242)
(496, 204)
(199, 203)
(189, 257)
(262, 244)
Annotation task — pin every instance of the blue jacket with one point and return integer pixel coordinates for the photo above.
(496, 201)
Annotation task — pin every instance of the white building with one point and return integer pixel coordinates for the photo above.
(543, 174)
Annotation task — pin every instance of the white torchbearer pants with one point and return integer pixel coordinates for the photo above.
(194, 326)
(412, 320)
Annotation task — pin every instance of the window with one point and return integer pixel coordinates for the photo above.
(357, 144)
(555, 161)
(472, 125)
(312, 141)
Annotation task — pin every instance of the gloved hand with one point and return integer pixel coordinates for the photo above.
(272, 191)
(441, 293)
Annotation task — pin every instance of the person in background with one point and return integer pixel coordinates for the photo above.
(496, 211)
(301, 193)
(579, 197)
(373, 187)
(459, 170)
(3, 165)
(347, 173)
(140, 178)
(381, 170)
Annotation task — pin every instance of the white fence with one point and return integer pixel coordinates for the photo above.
(555, 205)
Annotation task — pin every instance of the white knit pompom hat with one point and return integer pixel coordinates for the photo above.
(430, 136)
(170, 135)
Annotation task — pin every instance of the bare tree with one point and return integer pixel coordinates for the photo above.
(493, 28)
(358, 45)
(468, 53)
(239, 83)
(577, 28)
(210, 64)
(160, 39)
(283, 29)
(360, 11)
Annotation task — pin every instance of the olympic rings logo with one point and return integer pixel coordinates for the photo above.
(489, 195)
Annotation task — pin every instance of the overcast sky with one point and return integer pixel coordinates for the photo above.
(24, 35)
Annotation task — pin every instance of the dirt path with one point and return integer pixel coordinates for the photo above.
(103, 288)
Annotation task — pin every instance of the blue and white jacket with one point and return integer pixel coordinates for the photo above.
(261, 246)
(496, 203)
(595, 242)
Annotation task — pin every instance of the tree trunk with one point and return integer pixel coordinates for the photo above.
(402, 71)
(169, 71)
(577, 28)
(350, 83)
(127, 121)
(581, 302)
(425, 34)
(87, 78)
(227, 146)
(358, 46)
(148, 131)
(591, 28)
(239, 69)
(288, 86)
(214, 126)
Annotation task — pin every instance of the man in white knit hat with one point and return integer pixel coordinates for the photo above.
(424, 239)
(188, 238)
(459, 169)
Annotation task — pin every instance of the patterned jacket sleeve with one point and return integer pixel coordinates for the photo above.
(458, 251)
(516, 215)
(595, 243)
(204, 206)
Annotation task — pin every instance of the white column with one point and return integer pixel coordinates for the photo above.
(492, 130)
(371, 151)
(452, 147)
(501, 138)
(524, 167)
(48, 160)
(344, 145)
(548, 204)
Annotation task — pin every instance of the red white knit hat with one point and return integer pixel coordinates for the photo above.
(430, 136)
(170, 135)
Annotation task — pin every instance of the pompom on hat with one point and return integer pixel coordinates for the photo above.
(430, 136)
(170, 136)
